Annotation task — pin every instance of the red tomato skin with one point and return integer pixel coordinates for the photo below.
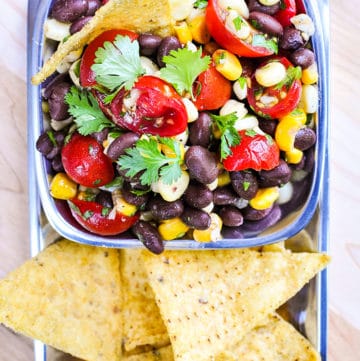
(216, 26)
(157, 99)
(254, 152)
(89, 215)
(285, 106)
(215, 90)
(87, 76)
(84, 162)
(283, 16)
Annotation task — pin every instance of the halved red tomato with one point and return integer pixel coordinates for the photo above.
(211, 90)
(215, 22)
(286, 12)
(287, 96)
(98, 219)
(255, 151)
(152, 106)
(87, 76)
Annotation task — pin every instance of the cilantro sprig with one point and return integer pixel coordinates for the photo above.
(182, 68)
(200, 4)
(229, 135)
(117, 64)
(146, 157)
(270, 44)
(86, 112)
(292, 74)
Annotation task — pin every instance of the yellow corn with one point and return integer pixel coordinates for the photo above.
(310, 75)
(224, 179)
(183, 32)
(293, 156)
(172, 229)
(198, 29)
(287, 128)
(227, 64)
(213, 233)
(170, 153)
(264, 198)
(274, 247)
(121, 205)
(62, 187)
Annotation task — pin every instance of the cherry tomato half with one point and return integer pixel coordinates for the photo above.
(98, 219)
(286, 12)
(156, 108)
(215, 22)
(87, 76)
(211, 90)
(255, 151)
(287, 97)
(84, 161)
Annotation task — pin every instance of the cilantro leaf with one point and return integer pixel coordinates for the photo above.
(86, 112)
(118, 64)
(182, 68)
(146, 157)
(200, 4)
(270, 44)
(238, 22)
(229, 135)
(292, 74)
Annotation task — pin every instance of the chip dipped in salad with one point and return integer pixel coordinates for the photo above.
(197, 122)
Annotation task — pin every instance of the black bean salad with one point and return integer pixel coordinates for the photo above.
(207, 134)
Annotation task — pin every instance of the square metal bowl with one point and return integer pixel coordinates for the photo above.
(57, 211)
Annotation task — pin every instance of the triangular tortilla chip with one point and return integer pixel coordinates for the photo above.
(161, 354)
(142, 323)
(68, 297)
(136, 15)
(209, 300)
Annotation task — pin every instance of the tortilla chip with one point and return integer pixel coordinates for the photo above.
(68, 297)
(209, 300)
(142, 323)
(161, 354)
(137, 15)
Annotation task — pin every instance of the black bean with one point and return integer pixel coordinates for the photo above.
(291, 39)
(266, 23)
(56, 164)
(224, 196)
(149, 44)
(101, 136)
(298, 166)
(50, 143)
(302, 57)
(167, 44)
(59, 78)
(309, 155)
(231, 216)
(200, 130)
(232, 232)
(254, 5)
(69, 10)
(196, 218)
(131, 196)
(104, 198)
(58, 109)
(198, 195)
(305, 138)
(120, 144)
(268, 125)
(163, 210)
(149, 236)
(78, 24)
(277, 176)
(252, 214)
(93, 6)
(202, 164)
(244, 183)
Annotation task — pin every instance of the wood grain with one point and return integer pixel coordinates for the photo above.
(344, 272)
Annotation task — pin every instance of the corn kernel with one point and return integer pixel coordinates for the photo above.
(62, 187)
(183, 32)
(213, 233)
(224, 179)
(309, 98)
(172, 229)
(310, 75)
(227, 64)
(293, 156)
(198, 29)
(270, 74)
(274, 247)
(122, 206)
(264, 198)
(170, 153)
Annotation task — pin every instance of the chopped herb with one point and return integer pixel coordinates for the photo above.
(51, 136)
(238, 22)
(105, 211)
(182, 68)
(87, 214)
(255, 24)
(292, 74)
(96, 182)
(282, 5)
(86, 112)
(242, 82)
(147, 158)
(246, 185)
(116, 182)
(261, 41)
(229, 135)
(75, 208)
(250, 132)
(200, 4)
(117, 65)
(269, 139)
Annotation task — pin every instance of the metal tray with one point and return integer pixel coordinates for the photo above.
(309, 307)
